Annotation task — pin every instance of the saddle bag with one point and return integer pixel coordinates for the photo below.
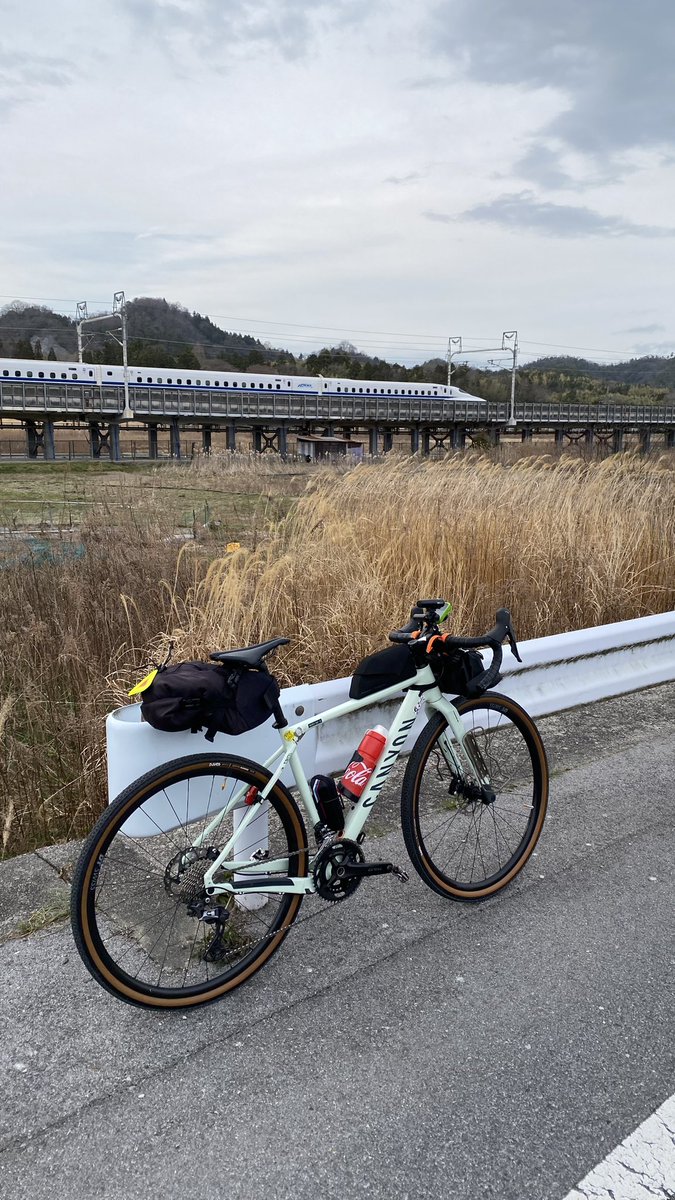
(200, 695)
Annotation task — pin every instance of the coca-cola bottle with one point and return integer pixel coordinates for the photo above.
(362, 763)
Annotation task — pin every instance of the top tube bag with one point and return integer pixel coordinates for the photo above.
(382, 670)
(200, 695)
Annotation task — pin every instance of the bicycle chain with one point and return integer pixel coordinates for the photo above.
(325, 845)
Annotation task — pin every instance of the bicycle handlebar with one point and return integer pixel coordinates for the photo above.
(423, 615)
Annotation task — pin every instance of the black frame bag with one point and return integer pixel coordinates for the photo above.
(200, 695)
(382, 670)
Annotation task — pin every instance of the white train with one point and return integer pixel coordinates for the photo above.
(22, 370)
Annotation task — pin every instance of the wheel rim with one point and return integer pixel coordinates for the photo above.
(146, 921)
(471, 843)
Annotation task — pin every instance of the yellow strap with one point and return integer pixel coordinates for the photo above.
(145, 683)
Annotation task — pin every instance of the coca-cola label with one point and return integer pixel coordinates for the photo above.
(357, 774)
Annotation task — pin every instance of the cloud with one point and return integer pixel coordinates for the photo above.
(216, 31)
(23, 77)
(411, 177)
(611, 62)
(643, 329)
(523, 211)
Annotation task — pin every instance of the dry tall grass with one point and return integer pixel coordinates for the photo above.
(563, 543)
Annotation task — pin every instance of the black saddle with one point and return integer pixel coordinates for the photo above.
(251, 656)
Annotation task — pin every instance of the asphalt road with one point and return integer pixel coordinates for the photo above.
(398, 1045)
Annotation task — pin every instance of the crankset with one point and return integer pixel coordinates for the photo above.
(341, 865)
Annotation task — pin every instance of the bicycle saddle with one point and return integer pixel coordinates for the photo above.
(252, 656)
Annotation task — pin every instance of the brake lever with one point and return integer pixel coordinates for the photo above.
(512, 642)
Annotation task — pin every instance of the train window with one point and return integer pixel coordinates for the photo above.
(41, 374)
(63, 375)
(158, 379)
(416, 392)
(5, 372)
(269, 385)
(91, 373)
(361, 389)
(18, 374)
(179, 381)
(187, 381)
(367, 389)
(207, 382)
(389, 391)
(288, 383)
(108, 372)
(353, 389)
(148, 379)
(139, 379)
(234, 384)
(226, 383)
(51, 375)
(29, 374)
(216, 383)
(198, 382)
(278, 386)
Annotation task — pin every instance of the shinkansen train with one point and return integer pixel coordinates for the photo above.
(176, 379)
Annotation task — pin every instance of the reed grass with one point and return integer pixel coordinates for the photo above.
(563, 542)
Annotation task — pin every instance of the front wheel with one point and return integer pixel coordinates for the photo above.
(142, 921)
(465, 841)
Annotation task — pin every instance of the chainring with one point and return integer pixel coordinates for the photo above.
(328, 885)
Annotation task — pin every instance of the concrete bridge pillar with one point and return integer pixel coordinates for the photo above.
(114, 442)
(426, 441)
(174, 438)
(206, 439)
(94, 440)
(387, 440)
(560, 438)
(231, 436)
(153, 451)
(282, 441)
(414, 439)
(617, 440)
(589, 436)
(257, 439)
(670, 439)
(526, 434)
(458, 437)
(373, 441)
(645, 441)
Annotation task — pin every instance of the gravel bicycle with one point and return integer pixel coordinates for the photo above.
(194, 875)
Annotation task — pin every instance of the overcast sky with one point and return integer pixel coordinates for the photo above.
(388, 172)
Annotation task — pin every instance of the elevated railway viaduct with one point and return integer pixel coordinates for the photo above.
(267, 419)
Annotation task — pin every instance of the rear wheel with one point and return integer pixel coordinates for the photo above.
(142, 921)
(467, 843)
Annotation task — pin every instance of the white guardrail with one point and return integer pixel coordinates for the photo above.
(556, 673)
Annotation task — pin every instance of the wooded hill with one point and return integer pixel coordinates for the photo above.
(168, 335)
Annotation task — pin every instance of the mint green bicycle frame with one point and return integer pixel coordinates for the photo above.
(459, 744)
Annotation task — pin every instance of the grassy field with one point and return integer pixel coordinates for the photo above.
(330, 557)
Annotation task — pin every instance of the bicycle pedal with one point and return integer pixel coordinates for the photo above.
(400, 874)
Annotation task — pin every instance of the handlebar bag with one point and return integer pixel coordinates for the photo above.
(454, 671)
(200, 695)
(382, 670)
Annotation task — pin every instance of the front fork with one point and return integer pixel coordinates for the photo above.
(463, 755)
